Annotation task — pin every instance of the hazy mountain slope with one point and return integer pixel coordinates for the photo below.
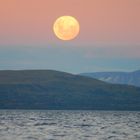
(129, 78)
(46, 89)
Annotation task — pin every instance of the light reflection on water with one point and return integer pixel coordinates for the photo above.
(69, 125)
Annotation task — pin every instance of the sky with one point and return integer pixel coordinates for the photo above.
(109, 38)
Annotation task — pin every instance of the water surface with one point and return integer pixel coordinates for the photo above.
(69, 125)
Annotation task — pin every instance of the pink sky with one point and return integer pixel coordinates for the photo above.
(31, 21)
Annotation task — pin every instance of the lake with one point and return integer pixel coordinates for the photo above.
(69, 125)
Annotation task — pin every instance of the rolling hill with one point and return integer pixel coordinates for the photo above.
(128, 78)
(48, 89)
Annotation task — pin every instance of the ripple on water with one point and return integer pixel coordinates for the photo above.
(69, 125)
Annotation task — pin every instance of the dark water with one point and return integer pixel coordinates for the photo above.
(69, 125)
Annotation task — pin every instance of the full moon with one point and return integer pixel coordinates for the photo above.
(66, 27)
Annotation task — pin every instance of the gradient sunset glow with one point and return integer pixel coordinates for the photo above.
(110, 30)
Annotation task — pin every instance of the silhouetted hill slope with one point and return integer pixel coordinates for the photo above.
(47, 89)
(129, 78)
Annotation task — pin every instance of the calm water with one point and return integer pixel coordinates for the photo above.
(69, 125)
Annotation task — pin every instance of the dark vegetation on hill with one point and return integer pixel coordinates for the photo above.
(47, 89)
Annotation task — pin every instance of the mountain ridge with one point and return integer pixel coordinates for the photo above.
(48, 89)
(128, 78)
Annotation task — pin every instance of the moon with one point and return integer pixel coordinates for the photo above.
(66, 27)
